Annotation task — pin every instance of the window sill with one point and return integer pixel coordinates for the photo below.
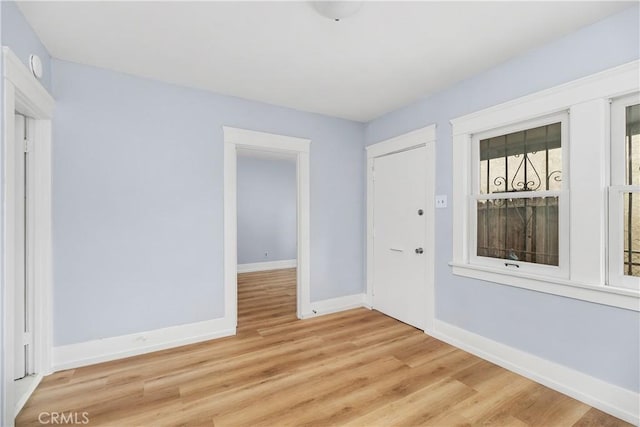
(606, 295)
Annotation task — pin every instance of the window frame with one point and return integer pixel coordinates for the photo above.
(562, 269)
(616, 276)
(588, 102)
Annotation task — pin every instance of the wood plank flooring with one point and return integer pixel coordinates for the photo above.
(355, 368)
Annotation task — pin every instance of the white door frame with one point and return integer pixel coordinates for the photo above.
(235, 138)
(24, 94)
(424, 137)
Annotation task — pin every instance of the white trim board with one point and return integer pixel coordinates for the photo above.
(103, 350)
(614, 400)
(415, 138)
(235, 139)
(24, 94)
(28, 385)
(112, 348)
(334, 305)
(612, 82)
(255, 140)
(266, 266)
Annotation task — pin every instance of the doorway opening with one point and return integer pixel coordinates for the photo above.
(292, 147)
(267, 238)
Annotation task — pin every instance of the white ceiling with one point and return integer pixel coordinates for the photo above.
(386, 56)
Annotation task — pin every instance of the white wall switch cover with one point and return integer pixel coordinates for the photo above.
(441, 201)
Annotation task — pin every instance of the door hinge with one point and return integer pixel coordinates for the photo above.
(27, 146)
(27, 338)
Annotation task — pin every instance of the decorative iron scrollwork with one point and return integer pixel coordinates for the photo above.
(533, 184)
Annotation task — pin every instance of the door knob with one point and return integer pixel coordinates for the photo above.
(419, 250)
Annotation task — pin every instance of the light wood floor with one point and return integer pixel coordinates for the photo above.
(355, 368)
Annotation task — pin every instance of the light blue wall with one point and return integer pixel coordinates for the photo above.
(138, 193)
(138, 201)
(598, 340)
(19, 36)
(266, 210)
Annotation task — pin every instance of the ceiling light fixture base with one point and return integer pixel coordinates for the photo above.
(337, 10)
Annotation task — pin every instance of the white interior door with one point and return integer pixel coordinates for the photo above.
(22, 336)
(399, 268)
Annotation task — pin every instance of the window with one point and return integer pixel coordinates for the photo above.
(518, 174)
(624, 193)
(530, 184)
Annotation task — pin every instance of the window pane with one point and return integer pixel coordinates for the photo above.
(528, 160)
(631, 217)
(519, 229)
(632, 145)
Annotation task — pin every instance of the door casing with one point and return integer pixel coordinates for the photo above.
(424, 137)
(235, 138)
(25, 95)
(24, 298)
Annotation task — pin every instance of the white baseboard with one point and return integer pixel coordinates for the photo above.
(333, 305)
(23, 389)
(103, 350)
(617, 401)
(265, 266)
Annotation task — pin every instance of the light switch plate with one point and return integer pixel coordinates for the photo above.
(441, 201)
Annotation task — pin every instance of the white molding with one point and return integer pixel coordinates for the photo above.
(424, 137)
(303, 204)
(23, 93)
(230, 219)
(588, 131)
(32, 99)
(586, 100)
(612, 399)
(461, 163)
(613, 82)
(103, 350)
(618, 186)
(334, 305)
(252, 139)
(606, 295)
(369, 243)
(402, 142)
(617, 277)
(234, 139)
(266, 266)
(30, 385)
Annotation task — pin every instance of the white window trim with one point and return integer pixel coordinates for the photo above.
(618, 187)
(616, 264)
(587, 100)
(562, 270)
